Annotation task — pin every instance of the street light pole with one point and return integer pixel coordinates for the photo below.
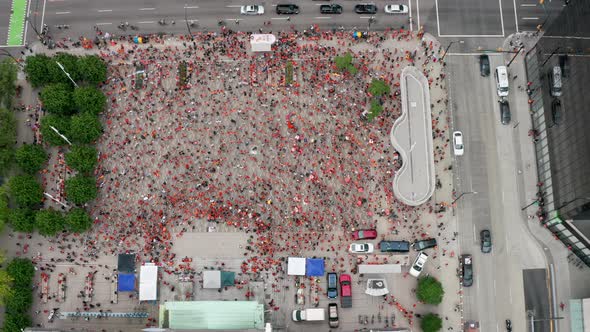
(5, 52)
(514, 57)
(188, 26)
(448, 47)
(67, 74)
(463, 194)
(60, 135)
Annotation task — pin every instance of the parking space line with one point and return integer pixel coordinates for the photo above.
(501, 17)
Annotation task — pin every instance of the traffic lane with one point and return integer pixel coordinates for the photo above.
(5, 7)
(467, 17)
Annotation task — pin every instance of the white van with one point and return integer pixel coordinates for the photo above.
(501, 75)
(310, 314)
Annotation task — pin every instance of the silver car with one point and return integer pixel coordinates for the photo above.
(252, 10)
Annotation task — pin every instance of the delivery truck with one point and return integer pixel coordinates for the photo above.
(310, 314)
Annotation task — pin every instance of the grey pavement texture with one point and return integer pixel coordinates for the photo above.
(411, 135)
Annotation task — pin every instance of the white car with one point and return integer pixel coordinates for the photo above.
(252, 10)
(361, 248)
(458, 146)
(396, 9)
(418, 265)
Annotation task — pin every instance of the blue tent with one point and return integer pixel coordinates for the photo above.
(126, 282)
(314, 267)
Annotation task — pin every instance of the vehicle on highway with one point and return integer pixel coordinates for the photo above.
(361, 248)
(332, 285)
(556, 111)
(555, 81)
(252, 10)
(458, 147)
(396, 9)
(394, 246)
(504, 112)
(424, 244)
(287, 9)
(309, 314)
(466, 270)
(508, 325)
(331, 9)
(333, 315)
(365, 8)
(486, 241)
(345, 291)
(501, 75)
(363, 234)
(418, 265)
(484, 65)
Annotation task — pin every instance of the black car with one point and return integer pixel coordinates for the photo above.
(424, 244)
(504, 112)
(287, 9)
(466, 270)
(486, 241)
(484, 65)
(555, 112)
(365, 8)
(331, 9)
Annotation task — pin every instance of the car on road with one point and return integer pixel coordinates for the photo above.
(418, 265)
(396, 9)
(287, 9)
(333, 315)
(332, 285)
(466, 270)
(361, 248)
(484, 65)
(424, 244)
(363, 234)
(345, 291)
(504, 112)
(458, 147)
(365, 8)
(485, 238)
(252, 10)
(331, 9)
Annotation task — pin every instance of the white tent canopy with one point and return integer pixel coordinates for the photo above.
(148, 282)
(262, 42)
(212, 279)
(379, 268)
(296, 266)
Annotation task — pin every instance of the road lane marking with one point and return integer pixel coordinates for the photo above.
(105, 23)
(43, 15)
(410, 15)
(233, 6)
(104, 10)
(501, 17)
(322, 17)
(530, 18)
(515, 14)
(365, 17)
(279, 18)
(150, 8)
(26, 25)
(146, 22)
(437, 20)
(474, 236)
(495, 286)
(191, 7)
(418, 11)
(62, 13)
(528, 5)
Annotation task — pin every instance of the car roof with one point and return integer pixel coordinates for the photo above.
(345, 277)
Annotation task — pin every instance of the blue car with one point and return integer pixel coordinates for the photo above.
(332, 285)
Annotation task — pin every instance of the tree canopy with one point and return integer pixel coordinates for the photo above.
(31, 157)
(16, 322)
(36, 70)
(21, 270)
(7, 128)
(81, 189)
(379, 88)
(375, 109)
(429, 290)
(49, 222)
(22, 220)
(61, 123)
(70, 64)
(82, 158)
(431, 323)
(85, 128)
(25, 190)
(344, 63)
(89, 100)
(8, 71)
(93, 69)
(57, 99)
(4, 208)
(19, 300)
(5, 286)
(78, 221)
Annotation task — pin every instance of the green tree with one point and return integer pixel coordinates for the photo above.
(57, 99)
(16, 322)
(49, 222)
(82, 158)
(36, 70)
(375, 109)
(93, 69)
(19, 300)
(70, 64)
(7, 128)
(4, 208)
(85, 128)
(81, 189)
(21, 270)
(78, 221)
(379, 88)
(22, 220)
(344, 63)
(8, 71)
(6, 159)
(89, 100)
(431, 323)
(61, 123)
(25, 190)
(5, 286)
(31, 157)
(429, 290)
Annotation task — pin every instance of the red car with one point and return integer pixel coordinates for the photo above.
(363, 234)
(345, 291)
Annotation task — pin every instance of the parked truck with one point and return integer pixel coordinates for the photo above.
(345, 291)
(310, 314)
